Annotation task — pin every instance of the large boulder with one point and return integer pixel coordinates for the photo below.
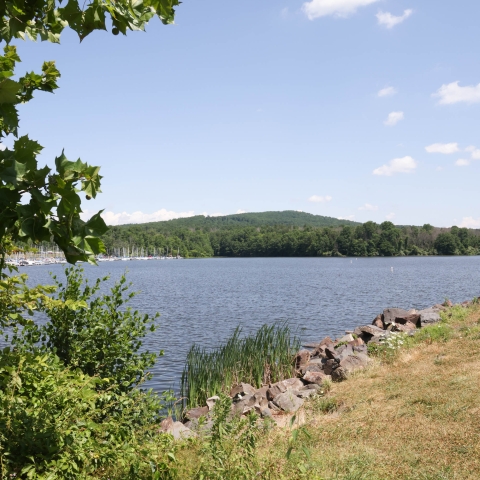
(369, 332)
(429, 316)
(288, 401)
(349, 365)
(391, 314)
(283, 386)
(316, 377)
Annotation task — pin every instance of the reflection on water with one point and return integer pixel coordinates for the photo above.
(203, 300)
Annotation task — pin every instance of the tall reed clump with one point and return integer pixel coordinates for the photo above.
(263, 357)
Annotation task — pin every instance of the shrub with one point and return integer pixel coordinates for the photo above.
(96, 333)
(60, 423)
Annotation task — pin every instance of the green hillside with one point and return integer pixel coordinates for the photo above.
(289, 218)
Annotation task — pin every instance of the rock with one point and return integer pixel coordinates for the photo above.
(316, 377)
(357, 342)
(301, 359)
(390, 314)
(326, 341)
(311, 386)
(312, 367)
(429, 316)
(330, 352)
(447, 303)
(261, 399)
(177, 429)
(329, 366)
(273, 408)
(242, 389)
(262, 391)
(412, 318)
(339, 374)
(349, 365)
(346, 339)
(244, 404)
(305, 393)
(211, 401)
(398, 327)
(378, 322)
(368, 332)
(288, 401)
(266, 412)
(283, 386)
(195, 413)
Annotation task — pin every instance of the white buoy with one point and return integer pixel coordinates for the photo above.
(391, 269)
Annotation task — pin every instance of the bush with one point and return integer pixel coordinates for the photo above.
(96, 333)
(59, 423)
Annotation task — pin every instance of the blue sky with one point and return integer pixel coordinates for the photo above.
(361, 109)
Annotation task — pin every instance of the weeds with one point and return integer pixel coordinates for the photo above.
(261, 358)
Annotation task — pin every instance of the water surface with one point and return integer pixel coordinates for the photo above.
(203, 300)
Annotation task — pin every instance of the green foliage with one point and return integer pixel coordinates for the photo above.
(230, 450)
(261, 358)
(53, 207)
(59, 423)
(47, 18)
(276, 234)
(99, 334)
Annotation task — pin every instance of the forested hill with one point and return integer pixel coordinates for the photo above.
(259, 219)
(271, 234)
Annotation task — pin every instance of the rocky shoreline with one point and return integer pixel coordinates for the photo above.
(316, 365)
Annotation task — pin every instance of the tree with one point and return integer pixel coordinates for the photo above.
(48, 18)
(446, 244)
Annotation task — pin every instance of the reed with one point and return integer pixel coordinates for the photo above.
(263, 357)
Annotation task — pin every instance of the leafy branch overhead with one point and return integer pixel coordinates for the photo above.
(54, 205)
(48, 18)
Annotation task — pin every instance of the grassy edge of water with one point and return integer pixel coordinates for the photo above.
(411, 415)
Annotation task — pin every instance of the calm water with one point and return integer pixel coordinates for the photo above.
(203, 300)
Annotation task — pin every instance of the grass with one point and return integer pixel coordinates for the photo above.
(263, 357)
(414, 415)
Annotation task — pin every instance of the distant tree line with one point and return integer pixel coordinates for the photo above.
(363, 240)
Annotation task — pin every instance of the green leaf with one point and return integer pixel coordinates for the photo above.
(8, 91)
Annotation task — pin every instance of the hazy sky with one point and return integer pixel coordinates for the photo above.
(361, 109)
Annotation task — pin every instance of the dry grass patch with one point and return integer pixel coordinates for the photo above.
(415, 417)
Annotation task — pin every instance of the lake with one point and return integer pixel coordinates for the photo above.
(203, 300)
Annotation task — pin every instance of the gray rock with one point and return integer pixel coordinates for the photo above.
(329, 366)
(288, 401)
(212, 401)
(195, 413)
(177, 429)
(244, 404)
(305, 393)
(349, 365)
(315, 377)
(283, 386)
(390, 314)
(301, 359)
(346, 338)
(273, 408)
(241, 389)
(378, 322)
(429, 316)
(369, 332)
(311, 386)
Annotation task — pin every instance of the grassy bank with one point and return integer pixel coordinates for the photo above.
(413, 414)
